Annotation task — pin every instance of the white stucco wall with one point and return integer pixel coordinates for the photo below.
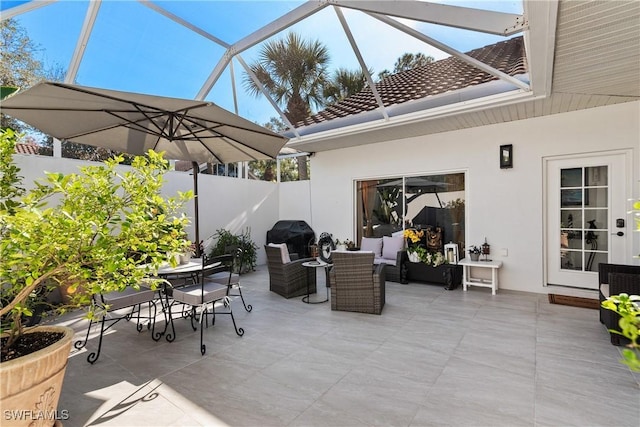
(229, 203)
(504, 205)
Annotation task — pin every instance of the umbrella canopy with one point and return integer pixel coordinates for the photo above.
(133, 123)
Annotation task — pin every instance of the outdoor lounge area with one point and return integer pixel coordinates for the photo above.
(486, 153)
(434, 357)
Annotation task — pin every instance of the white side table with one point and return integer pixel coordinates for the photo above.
(468, 280)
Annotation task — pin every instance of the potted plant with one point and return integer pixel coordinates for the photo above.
(226, 240)
(415, 250)
(92, 231)
(628, 307)
(474, 252)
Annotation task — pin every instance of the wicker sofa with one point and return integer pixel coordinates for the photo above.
(616, 279)
(391, 251)
(288, 278)
(356, 283)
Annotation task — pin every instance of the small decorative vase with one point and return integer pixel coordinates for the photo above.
(185, 258)
(341, 247)
(413, 257)
(474, 257)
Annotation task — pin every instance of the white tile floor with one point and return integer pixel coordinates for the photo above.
(433, 358)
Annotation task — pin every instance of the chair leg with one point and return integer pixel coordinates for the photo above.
(227, 304)
(203, 348)
(152, 319)
(80, 344)
(93, 356)
(171, 335)
(247, 307)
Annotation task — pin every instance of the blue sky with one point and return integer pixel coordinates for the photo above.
(133, 48)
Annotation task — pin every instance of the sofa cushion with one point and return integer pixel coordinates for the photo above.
(391, 246)
(387, 261)
(284, 251)
(372, 244)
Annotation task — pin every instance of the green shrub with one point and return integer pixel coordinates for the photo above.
(227, 241)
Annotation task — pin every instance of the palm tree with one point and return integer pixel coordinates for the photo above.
(343, 84)
(293, 72)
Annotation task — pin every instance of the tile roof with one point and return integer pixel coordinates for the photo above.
(27, 148)
(435, 78)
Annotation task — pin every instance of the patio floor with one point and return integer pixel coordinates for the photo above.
(434, 357)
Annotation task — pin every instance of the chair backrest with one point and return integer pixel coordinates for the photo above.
(604, 269)
(353, 266)
(237, 253)
(217, 264)
(274, 257)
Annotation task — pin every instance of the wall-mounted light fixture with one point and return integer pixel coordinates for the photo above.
(506, 156)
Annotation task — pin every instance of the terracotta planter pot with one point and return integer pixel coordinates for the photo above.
(30, 385)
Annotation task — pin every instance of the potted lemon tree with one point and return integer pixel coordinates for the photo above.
(89, 231)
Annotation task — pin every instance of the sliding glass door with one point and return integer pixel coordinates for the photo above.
(387, 205)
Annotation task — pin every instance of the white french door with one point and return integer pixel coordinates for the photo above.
(586, 221)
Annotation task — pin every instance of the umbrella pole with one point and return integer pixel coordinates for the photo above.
(196, 170)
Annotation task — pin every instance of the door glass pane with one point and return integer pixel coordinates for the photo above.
(571, 177)
(595, 219)
(593, 259)
(584, 218)
(571, 260)
(596, 176)
(571, 218)
(572, 240)
(596, 197)
(572, 197)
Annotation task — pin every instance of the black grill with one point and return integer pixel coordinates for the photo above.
(296, 234)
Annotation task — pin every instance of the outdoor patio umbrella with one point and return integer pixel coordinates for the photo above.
(198, 131)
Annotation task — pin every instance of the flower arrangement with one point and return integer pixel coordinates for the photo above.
(435, 259)
(418, 253)
(414, 235)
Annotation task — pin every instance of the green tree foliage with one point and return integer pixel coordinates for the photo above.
(293, 72)
(103, 226)
(20, 66)
(407, 61)
(342, 84)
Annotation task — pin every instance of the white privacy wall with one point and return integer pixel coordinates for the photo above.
(224, 203)
(503, 205)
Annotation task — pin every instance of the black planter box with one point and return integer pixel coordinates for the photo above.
(445, 274)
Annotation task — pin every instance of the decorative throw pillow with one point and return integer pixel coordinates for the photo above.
(373, 244)
(284, 251)
(391, 246)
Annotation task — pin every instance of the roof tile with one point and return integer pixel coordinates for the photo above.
(432, 79)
